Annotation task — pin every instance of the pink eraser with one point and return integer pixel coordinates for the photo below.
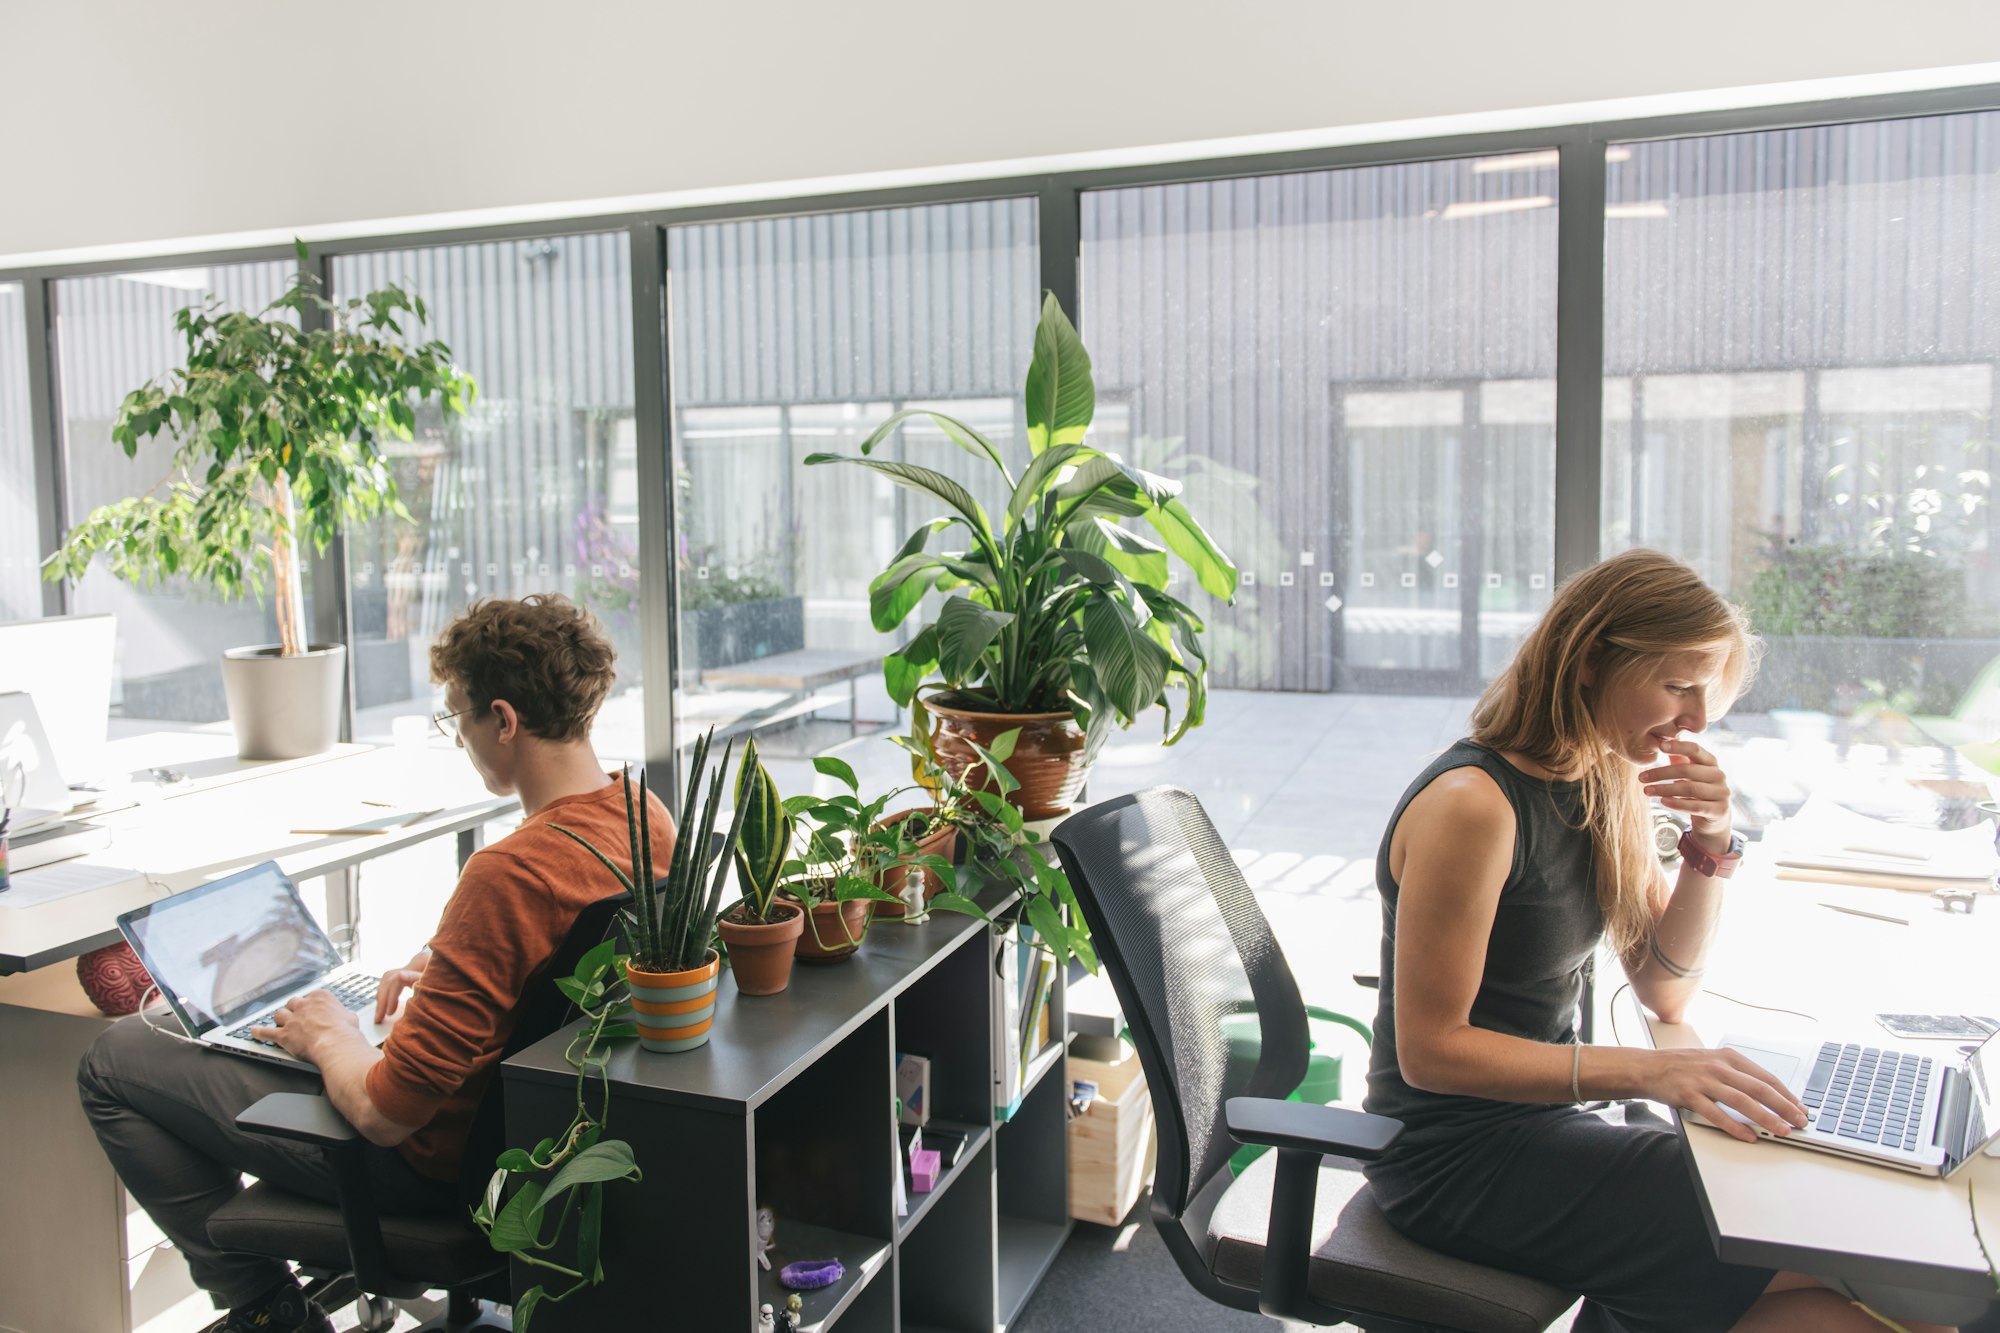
(924, 1170)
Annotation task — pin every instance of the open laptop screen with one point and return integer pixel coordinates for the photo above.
(219, 950)
(1982, 1118)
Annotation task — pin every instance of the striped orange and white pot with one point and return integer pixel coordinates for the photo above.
(674, 1010)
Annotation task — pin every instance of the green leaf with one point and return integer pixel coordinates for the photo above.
(954, 902)
(1002, 748)
(1060, 397)
(592, 967)
(1191, 542)
(514, 1159)
(925, 481)
(898, 590)
(609, 1160)
(964, 630)
(513, 1227)
(964, 436)
(525, 1305)
(905, 669)
(1134, 554)
(838, 769)
(1131, 668)
(1047, 464)
(1047, 923)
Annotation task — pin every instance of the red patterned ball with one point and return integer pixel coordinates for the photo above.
(114, 978)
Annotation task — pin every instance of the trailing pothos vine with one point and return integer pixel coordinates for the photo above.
(562, 1179)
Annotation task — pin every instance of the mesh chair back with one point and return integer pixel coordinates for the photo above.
(1186, 947)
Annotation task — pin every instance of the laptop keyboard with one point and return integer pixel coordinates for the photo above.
(1868, 1095)
(356, 992)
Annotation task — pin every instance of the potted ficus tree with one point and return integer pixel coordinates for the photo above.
(279, 419)
(1057, 622)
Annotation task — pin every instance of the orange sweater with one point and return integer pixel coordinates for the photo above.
(513, 905)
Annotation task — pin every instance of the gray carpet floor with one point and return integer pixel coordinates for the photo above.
(1122, 1280)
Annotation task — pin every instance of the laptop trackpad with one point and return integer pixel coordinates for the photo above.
(1778, 1064)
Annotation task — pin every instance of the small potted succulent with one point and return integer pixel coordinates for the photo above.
(672, 970)
(846, 849)
(762, 929)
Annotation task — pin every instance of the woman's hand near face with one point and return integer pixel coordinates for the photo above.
(1692, 782)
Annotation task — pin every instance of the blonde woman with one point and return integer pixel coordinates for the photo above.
(1506, 863)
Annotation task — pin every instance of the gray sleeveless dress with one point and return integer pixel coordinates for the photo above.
(1596, 1201)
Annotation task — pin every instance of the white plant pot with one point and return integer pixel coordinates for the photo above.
(284, 707)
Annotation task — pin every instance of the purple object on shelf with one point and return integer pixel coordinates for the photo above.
(924, 1164)
(808, 1274)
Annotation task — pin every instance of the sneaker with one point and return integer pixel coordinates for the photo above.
(285, 1309)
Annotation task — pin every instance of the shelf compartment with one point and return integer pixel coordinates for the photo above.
(1027, 1249)
(861, 1256)
(920, 1204)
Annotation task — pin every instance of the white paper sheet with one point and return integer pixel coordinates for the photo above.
(31, 888)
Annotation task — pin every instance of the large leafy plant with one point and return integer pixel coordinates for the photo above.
(1058, 605)
(279, 418)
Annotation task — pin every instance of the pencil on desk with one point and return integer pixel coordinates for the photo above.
(1872, 916)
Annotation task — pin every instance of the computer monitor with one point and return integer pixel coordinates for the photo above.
(65, 664)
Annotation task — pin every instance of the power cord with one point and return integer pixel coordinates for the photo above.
(1747, 1004)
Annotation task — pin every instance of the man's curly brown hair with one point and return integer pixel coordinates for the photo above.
(544, 654)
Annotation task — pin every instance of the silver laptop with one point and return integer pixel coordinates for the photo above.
(1902, 1109)
(227, 954)
(31, 784)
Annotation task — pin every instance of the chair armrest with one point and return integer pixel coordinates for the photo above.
(300, 1116)
(1303, 1127)
(1304, 1135)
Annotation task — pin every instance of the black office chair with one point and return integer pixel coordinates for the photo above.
(1297, 1236)
(350, 1251)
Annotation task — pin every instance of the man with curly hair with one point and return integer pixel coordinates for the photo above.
(523, 681)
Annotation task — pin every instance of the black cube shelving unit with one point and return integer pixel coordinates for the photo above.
(790, 1105)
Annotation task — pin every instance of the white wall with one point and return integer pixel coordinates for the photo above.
(142, 120)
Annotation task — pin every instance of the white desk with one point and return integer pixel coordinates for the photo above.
(227, 815)
(79, 1258)
(1902, 1243)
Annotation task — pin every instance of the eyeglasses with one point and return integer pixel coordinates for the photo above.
(447, 723)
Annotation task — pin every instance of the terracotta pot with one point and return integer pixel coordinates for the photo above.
(942, 842)
(674, 1010)
(761, 955)
(1047, 759)
(834, 931)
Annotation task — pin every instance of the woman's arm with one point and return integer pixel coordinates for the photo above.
(1451, 854)
(1666, 970)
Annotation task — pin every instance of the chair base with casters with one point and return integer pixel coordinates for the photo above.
(1298, 1235)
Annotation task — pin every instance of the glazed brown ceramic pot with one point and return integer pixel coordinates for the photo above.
(1047, 759)
(760, 956)
(834, 931)
(942, 842)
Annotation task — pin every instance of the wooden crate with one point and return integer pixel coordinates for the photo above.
(1111, 1144)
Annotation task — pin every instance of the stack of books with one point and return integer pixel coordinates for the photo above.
(1023, 981)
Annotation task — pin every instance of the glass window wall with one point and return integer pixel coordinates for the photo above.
(536, 490)
(114, 333)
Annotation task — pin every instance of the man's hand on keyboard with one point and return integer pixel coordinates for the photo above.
(309, 1023)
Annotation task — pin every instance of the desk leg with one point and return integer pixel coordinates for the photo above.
(470, 840)
(853, 707)
(343, 900)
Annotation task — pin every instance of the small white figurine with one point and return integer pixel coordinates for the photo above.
(767, 1227)
(764, 1323)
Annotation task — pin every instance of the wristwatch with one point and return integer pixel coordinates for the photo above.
(1701, 859)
